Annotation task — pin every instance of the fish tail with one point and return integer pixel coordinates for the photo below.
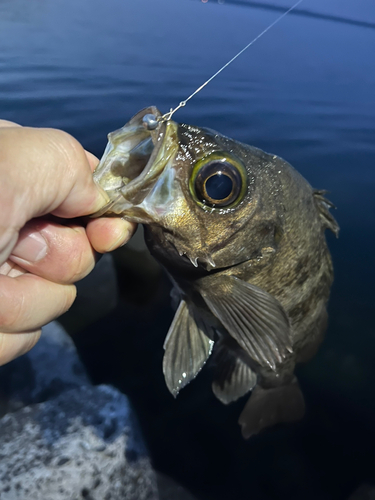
(269, 406)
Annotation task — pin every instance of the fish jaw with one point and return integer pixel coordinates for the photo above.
(131, 165)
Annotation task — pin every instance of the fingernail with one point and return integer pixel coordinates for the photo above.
(125, 234)
(119, 242)
(129, 234)
(31, 246)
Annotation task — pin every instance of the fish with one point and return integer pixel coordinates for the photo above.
(241, 235)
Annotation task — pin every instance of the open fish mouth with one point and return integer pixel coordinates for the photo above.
(133, 160)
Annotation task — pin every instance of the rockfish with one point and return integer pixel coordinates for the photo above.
(241, 235)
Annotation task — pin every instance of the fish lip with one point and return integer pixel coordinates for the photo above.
(164, 151)
(125, 193)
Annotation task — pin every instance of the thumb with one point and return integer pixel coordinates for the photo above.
(42, 171)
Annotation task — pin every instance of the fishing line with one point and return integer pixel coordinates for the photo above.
(169, 115)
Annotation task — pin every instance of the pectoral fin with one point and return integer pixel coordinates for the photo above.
(233, 378)
(254, 318)
(187, 348)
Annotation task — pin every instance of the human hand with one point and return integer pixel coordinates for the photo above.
(46, 171)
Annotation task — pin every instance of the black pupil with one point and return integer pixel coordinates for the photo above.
(218, 183)
(219, 186)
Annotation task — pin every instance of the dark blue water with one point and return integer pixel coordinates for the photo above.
(305, 91)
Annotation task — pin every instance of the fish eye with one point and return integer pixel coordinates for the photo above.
(218, 181)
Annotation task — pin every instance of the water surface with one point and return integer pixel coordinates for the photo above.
(305, 91)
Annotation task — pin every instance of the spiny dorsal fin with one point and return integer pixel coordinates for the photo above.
(323, 205)
(186, 350)
(255, 319)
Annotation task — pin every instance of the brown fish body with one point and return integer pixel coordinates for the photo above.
(252, 270)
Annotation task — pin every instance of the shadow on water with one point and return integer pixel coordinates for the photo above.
(303, 13)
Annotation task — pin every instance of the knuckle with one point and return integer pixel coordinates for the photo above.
(67, 147)
(60, 138)
(70, 256)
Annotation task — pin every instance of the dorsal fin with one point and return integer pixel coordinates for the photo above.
(323, 205)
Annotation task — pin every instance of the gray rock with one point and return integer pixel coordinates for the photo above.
(51, 367)
(82, 444)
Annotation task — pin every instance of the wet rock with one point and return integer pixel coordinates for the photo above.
(65, 439)
(51, 367)
(82, 444)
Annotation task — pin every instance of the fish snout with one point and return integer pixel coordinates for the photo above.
(133, 160)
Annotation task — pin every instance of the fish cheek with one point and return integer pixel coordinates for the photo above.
(176, 229)
(252, 241)
(243, 235)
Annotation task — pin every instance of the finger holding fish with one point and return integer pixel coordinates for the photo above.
(105, 234)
